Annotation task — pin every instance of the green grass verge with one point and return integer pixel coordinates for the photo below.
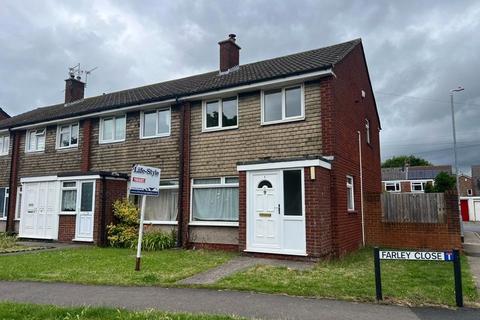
(17, 311)
(352, 278)
(109, 266)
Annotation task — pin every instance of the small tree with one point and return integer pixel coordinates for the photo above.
(124, 233)
(443, 182)
(401, 161)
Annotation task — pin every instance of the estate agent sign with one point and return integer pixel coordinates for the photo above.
(144, 181)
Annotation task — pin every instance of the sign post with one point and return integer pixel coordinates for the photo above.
(144, 181)
(447, 256)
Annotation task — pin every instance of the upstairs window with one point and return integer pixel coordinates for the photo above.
(67, 136)
(350, 194)
(35, 141)
(155, 123)
(282, 105)
(220, 114)
(4, 144)
(112, 129)
(367, 130)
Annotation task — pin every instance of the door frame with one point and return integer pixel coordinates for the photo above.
(250, 211)
(79, 206)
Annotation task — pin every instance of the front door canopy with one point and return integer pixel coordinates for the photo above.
(298, 163)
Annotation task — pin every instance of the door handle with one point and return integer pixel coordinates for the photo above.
(279, 208)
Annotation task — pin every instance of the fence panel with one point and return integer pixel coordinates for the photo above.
(414, 207)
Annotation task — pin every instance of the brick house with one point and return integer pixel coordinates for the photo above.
(410, 179)
(269, 157)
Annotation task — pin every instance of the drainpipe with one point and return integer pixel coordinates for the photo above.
(180, 175)
(103, 227)
(12, 185)
(361, 186)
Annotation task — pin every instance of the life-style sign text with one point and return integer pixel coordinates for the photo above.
(416, 255)
(144, 180)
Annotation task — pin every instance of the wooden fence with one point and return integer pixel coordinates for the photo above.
(414, 207)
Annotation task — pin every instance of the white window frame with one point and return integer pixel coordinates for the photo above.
(5, 138)
(18, 204)
(59, 131)
(284, 118)
(76, 188)
(469, 192)
(37, 134)
(165, 187)
(367, 129)
(157, 135)
(423, 183)
(5, 203)
(395, 183)
(220, 115)
(351, 192)
(113, 140)
(222, 184)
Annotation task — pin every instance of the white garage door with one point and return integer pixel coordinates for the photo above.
(39, 216)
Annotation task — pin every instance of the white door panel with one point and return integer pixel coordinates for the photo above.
(85, 212)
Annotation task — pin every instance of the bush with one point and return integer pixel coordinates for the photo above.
(443, 182)
(7, 241)
(124, 233)
(157, 240)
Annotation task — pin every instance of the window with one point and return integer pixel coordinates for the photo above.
(282, 105)
(220, 114)
(292, 193)
(35, 140)
(215, 200)
(3, 203)
(350, 194)
(112, 129)
(155, 123)
(418, 186)
(67, 136)
(469, 192)
(392, 186)
(18, 205)
(4, 144)
(69, 196)
(367, 130)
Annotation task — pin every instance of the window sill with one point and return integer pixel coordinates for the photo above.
(352, 211)
(3, 154)
(66, 149)
(67, 214)
(167, 223)
(302, 118)
(155, 137)
(213, 223)
(111, 142)
(3, 219)
(219, 129)
(35, 152)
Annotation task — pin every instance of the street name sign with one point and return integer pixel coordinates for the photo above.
(416, 255)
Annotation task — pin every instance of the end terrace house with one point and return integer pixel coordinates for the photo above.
(270, 157)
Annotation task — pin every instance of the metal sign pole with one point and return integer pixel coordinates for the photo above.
(378, 274)
(457, 272)
(140, 234)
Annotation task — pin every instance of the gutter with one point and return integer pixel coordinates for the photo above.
(237, 89)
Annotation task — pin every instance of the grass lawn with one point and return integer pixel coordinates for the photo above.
(352, 278)
(14, 311)
(113, 266)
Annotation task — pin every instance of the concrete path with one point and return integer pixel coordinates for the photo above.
(43, 246)
(472, 250)
(250, 305)
(241, 263)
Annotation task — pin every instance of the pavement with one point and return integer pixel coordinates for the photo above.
(471, 247)
(241, 263)
(246, 304)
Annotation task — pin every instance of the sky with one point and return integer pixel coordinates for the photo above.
(417, 51)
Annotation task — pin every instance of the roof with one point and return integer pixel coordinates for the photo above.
(290, 65)
(3, 114)
(414, 173)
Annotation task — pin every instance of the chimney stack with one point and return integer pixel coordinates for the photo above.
(74, 89)
(229, 53)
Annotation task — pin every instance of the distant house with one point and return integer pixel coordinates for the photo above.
(410, 179)
(3, 114)
(466, 185)
(476, 179)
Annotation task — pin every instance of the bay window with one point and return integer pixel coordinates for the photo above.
(282, 105)
(35, 140)
(67, 136)
(215, 200)
(155, 123)
(112, 129)
(220, 114)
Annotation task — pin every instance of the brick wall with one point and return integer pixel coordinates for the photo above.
(66, 228)
(465, 184)
(344, 111)
(441, 236)
(160, 152)
(405, 186)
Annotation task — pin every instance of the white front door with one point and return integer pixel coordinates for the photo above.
(275, 212)
(39, 216)
(85, 210)
(476, 210)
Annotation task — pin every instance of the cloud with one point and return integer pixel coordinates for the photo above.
(416, 52)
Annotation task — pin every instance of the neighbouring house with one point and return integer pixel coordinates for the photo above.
(3, 114)
(476, 180)
(466, 185)
(269, 157)
(410, 179)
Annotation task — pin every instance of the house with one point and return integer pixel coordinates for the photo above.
(410, 179)
(270, 157)
(476, 180)
(3, 114)
(466, 185)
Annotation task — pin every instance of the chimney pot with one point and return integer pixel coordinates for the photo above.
(229, 53)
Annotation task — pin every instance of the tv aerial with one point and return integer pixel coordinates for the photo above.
(76, 72)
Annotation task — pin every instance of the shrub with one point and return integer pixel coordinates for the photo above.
(7, 241)
(157, 240)
(124, 233)
(443, 182)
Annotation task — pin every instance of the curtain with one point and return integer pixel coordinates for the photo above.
(162, 208)
(215, 204)
(69, 200)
